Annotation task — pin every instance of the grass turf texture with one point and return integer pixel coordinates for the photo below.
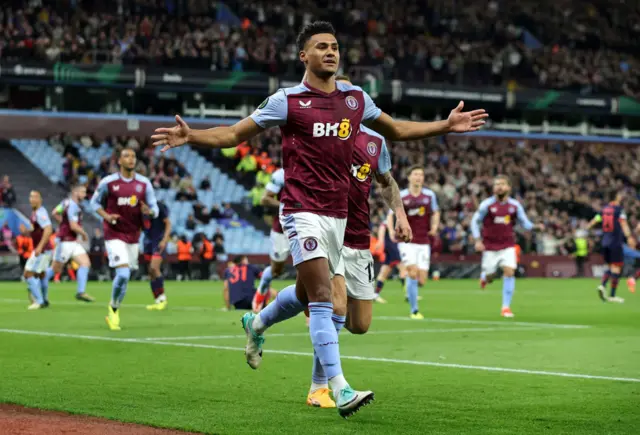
(212, 389)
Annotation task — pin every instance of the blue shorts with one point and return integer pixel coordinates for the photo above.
(151, 250)
(613, 254)
(391, 254)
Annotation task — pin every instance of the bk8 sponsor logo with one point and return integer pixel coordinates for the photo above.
(131, 201)
(342, 130)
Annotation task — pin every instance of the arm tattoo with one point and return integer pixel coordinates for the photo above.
(390, 191)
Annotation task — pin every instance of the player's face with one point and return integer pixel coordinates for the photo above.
(321, 55)
(81, 193)
(128, 160)
(35, 200)
(416, 178)
(500, 187)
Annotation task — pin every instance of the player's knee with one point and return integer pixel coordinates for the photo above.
(412, 273)
(321, 293)
(508, 272)
(357, 327)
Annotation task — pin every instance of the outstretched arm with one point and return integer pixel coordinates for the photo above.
(458, 122)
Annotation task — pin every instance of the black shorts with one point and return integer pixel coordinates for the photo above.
(244, 304)
(613, 254)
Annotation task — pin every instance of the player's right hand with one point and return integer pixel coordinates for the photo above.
(403, 230)
(112, 218)
(172, 137)
(37, 251)
(631, 241)
(479, 246)
(84, 237)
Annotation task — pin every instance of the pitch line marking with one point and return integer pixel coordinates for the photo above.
(346, 357)
(392, 318)
(306, 334)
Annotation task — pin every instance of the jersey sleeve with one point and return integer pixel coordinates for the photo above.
(99, 195)
(384, 160)
(150, 198)
(523, 219)
(42, 218)
(73, 212)
(276, 183)
(272, 112)
(477, 219)
(434, 199)
(371, 111)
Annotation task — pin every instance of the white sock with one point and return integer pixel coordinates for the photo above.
(338, 383)
(257, 324)
(315, 387)
(161, 298)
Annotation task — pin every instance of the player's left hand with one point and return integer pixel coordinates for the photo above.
(146, 210)
(463, 122)
(433, 232)
(171, 137)
(161, 246)
(540, 227)
(403, 230)
(631, 241)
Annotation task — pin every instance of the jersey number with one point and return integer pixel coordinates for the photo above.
(238, 273)
(370, 271)
(607, 222)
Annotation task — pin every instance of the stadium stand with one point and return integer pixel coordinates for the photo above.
(548, 44)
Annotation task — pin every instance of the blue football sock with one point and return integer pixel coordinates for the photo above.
(285, 306)
(265, 281)
(325, 338)
(119, 288)
(44, 283)
(318, 375)
(34, 288)
(82, 276)
(508, 287)
(412, 294)
(605, 277)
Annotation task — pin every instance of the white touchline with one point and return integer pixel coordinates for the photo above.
(487, 322)
(394, 318)
(306, 334)
(307, 354)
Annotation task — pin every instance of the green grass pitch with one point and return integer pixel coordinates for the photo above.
(566, 364)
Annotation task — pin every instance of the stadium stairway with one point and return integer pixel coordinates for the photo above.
(25, 177)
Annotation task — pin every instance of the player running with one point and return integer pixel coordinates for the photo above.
(157, 232)
(392, 260)
(239, 284)
(69, 214)
(615, 229)
(118, 200)
(40, 230)
(318, 119)
(423, 213)
(279, 242)
(498, 215)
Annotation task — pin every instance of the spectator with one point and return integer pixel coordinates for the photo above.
(186, 191)
(191, 223)
(7, 193)
(207, 256)
(218, 243)
(205, 184)
(185, 254)
(255, 194)
(228, 212)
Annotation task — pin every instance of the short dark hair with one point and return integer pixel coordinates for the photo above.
(343, 77)
(125, 148)
(503, 177)
(77, 186)
(238, 260)
(311, 29)
(415, 168)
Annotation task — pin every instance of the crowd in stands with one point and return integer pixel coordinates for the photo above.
(562, 44)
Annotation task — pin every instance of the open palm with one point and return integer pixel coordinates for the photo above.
(463, 122)
(171, 137)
